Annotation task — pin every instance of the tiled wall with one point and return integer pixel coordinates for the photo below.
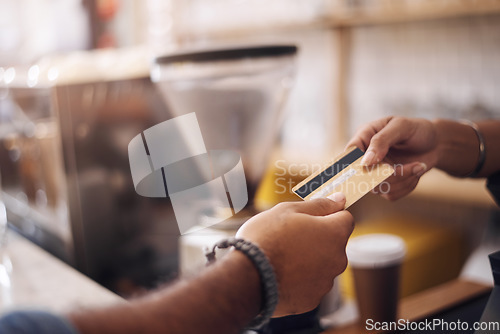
(446, 68)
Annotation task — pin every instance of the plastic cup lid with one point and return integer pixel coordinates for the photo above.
(375, 250)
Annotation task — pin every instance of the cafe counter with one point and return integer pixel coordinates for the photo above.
(31, 278)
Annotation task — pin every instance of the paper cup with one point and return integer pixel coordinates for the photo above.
(375, 260)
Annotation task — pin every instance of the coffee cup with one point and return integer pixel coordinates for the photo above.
(375, 261)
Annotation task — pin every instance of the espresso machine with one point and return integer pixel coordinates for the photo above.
(65, 130)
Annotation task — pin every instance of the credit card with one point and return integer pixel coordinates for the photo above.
(344, 174)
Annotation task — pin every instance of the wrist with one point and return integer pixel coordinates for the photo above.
(260, 262)
(243, 264)
(442, 142)
(457, 150)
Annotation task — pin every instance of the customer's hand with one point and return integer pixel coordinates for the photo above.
(305, 242)
(408, 144)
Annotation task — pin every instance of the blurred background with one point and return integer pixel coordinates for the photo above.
(75, 88)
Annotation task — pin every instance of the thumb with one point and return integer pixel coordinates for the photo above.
(322, 206)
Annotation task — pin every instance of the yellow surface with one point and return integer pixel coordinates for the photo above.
(434, 254)
(282, 176)
(276, 187)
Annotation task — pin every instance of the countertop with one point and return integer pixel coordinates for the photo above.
(38, 280)
(426, 303)
(32, 278)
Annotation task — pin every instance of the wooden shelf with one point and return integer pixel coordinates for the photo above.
(439, 185)
(426, 303)
(388, 11)
(339, 14)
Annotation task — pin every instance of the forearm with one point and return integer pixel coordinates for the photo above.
(458, 147)
(222, 300)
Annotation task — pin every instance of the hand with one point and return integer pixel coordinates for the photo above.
(305, 242)
(408, 144)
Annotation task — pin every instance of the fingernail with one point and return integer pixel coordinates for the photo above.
(368, 158)
(348, 147)
(337, 197)
(419, 169)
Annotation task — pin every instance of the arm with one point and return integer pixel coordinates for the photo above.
(415, 146)
(224, 298)
(305, 243)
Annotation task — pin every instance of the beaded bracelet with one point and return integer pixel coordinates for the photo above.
(482, 148)
(267, 276)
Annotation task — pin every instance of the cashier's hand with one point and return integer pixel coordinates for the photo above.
(410, 145)
(305, 242)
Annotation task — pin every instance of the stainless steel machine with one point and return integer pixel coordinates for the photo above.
(67, 183)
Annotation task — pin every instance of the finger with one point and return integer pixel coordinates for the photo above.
(401, 191)
(402, 187)
(341, 223)
(358, 142)
(395, 131)
(393, 186)
(413, 168)
(402, 173)
(319, 206)
(418, 168)
(403, 184)
(364, 135)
